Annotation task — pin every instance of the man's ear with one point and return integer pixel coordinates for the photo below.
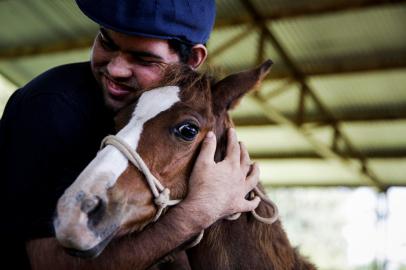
(228, 91)
(197, 56)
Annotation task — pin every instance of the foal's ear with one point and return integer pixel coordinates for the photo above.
(229, 90)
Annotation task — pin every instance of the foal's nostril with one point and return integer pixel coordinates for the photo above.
(88, 205)
(95, 208)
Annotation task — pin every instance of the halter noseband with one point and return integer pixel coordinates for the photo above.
(161, 194)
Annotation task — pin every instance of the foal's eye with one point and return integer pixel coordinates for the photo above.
(186, 131)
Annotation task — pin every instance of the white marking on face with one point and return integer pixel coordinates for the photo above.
(102, 173)
(110, 163)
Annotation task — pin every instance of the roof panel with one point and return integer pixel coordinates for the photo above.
(305, 172)
(43, 22)
(385, 90)
(390, 171)
(377, 135)
(230, 9)
(314, 38)
(272, 139)
(243, 53)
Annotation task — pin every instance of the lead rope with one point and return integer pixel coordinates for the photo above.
(161, 194)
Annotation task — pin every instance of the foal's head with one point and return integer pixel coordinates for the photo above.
(165, 126)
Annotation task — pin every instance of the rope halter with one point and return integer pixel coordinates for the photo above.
(160, 193)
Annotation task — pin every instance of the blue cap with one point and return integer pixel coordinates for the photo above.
(190, 21)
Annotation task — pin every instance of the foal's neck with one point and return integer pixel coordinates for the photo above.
(246, 244)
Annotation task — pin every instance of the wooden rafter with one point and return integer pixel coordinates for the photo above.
(361, 169)
(231, 42)
(344, 65)
(370, 154)
(320, 120)
(32, 50)
(358, 165)
(291, 184)
(307, 9)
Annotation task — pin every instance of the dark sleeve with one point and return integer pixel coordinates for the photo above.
(38, 136)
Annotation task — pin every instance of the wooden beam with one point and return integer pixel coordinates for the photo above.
(271, 184)
(231, 42)
(261, 48)
(366, 116)
(331, 184)
(296, 156)
(301, 107)
(35, 50)
(381, 61)
(324, 150)
(378, 61)
(308, 9)
(363, 172)
(364, 63)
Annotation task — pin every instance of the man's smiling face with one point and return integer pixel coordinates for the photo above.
(125, 65)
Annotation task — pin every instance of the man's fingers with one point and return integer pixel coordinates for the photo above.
(252, 178)
(208, 148)
(233, 147)
(250, 205)
(245, 160)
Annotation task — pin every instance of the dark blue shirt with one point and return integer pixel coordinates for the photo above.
(50, 130)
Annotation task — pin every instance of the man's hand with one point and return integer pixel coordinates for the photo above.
(217, 190)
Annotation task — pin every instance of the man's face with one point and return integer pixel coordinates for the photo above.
(125, 65)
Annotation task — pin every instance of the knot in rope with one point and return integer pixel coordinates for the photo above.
(163, 199)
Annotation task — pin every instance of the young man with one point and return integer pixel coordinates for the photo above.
(52, 127)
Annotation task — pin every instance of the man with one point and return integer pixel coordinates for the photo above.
(52, 127)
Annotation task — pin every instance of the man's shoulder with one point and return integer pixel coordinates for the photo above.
(61, 77)
(70, 86)
(73, 83)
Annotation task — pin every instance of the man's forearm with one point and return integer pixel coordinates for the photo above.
(177, 226)
(215, 190)
(174, 228)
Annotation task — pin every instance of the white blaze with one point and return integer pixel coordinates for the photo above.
(71, 228)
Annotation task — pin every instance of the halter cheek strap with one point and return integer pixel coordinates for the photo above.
(161, 194)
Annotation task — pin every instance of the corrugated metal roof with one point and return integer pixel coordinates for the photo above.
(306, 171)
(316, 38)
(354, 60)
(31, 22)
(378, 90)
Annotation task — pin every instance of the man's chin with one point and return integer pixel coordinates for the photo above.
(113, 103)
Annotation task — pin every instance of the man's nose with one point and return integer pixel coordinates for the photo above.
(119, 66)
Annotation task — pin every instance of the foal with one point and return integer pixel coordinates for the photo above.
(111, 197)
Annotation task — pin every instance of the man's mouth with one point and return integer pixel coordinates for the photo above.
(115, 89)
